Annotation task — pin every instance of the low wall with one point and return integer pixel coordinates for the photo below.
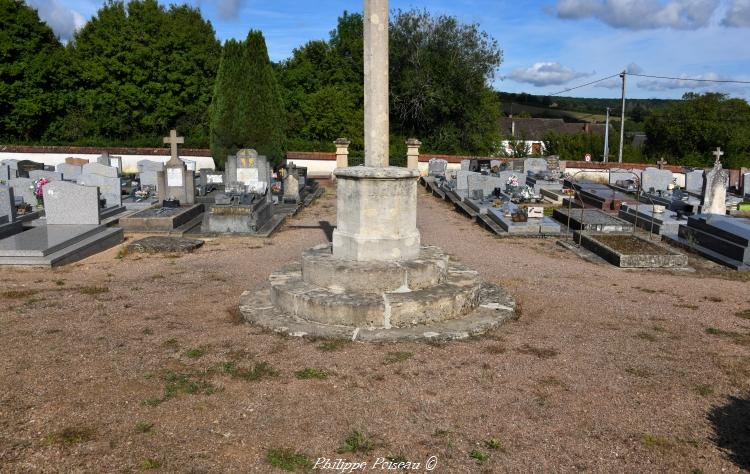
(53, 155)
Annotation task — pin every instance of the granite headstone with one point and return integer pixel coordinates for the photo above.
(71, 204)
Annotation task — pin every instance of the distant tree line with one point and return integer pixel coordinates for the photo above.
(137, 69)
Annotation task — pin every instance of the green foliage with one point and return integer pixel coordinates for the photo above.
(32, 72)
(247, 109)
(287, 459)
(689, 130)
(574, 146)
(448, 105)
(137, 71)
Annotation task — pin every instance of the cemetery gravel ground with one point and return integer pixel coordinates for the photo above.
(126, 364)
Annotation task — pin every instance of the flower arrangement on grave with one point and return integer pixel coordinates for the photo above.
(38, 188)
(512, 181)
(276, 187)
(143, 193)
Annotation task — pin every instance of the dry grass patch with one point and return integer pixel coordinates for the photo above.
(70, 436)
(18, 294)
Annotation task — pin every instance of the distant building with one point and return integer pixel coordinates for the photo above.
(533, 130)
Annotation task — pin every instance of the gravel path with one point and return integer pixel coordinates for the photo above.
(122, 364)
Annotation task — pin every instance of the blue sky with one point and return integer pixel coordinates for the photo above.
(548, 45)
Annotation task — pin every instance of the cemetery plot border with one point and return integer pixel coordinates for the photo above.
(631, 251)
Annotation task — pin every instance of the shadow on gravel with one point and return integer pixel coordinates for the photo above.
(325, 226)
(731, 424)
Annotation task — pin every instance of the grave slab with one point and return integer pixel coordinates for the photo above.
(591, 219)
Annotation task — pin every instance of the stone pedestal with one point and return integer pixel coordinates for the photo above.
(412, 153)
(376, 214)
(342, 152)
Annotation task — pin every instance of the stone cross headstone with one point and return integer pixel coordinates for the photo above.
(715, 188)
(176, 182)
(109, 187)
(71, 204)
(50, 175)
(24, 188)
(661, 163)
(69, 172)
(100, 169)
(7, 203)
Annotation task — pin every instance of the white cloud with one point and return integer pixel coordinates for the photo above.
(64, 21)
(546, 74)
(616, 82)
(738, 14)
(685, 82)
(642, 14)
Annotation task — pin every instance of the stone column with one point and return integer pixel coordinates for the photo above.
(412, 153)
(376, 83)
(376, 204)
(342, 152)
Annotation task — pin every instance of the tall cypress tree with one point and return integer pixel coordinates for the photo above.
(247, 110)
(227, 118)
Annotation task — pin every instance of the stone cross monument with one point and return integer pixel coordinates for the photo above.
(715, 188)
(176, 182)
(173, 140)
(376, 203)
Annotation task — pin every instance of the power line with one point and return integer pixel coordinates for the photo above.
(587, 84)
(690, 79)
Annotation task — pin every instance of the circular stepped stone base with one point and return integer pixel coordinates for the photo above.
(425, 298)
(456, 295)
(494, 307)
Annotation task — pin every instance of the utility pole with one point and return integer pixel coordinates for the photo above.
(622, 118)
(606, 139)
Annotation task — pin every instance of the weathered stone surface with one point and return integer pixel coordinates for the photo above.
(715, 190)
(157, 244)
(376, 214)
(320, 268)
(494, 307)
